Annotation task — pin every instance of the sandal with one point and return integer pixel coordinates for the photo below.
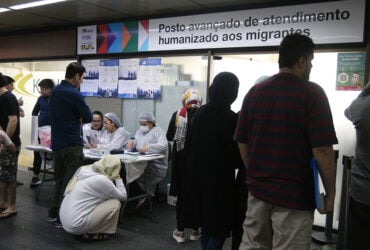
(4, 214)
(92, 237)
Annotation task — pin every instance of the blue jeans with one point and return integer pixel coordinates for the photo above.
(209, 242)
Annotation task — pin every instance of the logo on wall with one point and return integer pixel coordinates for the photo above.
(117, 37)
(143, 35)
(21, 86)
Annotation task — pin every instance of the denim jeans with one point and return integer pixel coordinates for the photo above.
(209, 242)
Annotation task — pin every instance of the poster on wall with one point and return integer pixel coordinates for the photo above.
(127, 78)
(350, 71)
(86, 40)
(108, 78)
(149, 84)
(89, 87)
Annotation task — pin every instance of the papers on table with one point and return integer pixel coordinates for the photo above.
(131, 153)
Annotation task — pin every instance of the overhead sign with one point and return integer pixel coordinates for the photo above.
(326, 23)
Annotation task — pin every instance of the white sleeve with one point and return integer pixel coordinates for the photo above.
(161, 144)
(117, 141)
(86, 131)
(107, 190)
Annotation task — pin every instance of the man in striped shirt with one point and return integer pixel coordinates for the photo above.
(285, 121)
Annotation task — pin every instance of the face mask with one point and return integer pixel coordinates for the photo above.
(144, 128)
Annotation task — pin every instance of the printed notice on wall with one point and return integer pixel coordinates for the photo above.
(127, 78)
(122, 78)
(350, 71)
(86, 40)
(149, 86)
(108, 78)
(89, 87)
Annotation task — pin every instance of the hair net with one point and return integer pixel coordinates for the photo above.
(147, 116)
(114, 118)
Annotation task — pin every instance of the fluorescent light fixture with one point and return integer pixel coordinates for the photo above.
(34, 4)
(4, 10)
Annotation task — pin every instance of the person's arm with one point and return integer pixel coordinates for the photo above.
(326, 165)
(171, 128)
(12, 125)
(36, 108)
(105, 188)
(119, 140)
(83, 109)
(160, 146)
(5, 140)
(243, 148)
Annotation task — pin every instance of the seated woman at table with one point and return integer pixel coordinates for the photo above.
(150, 139)
(114, 137)
(91, 204)
(93, 131)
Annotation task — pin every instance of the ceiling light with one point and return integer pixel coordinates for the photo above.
(34, 4)
(4, 10)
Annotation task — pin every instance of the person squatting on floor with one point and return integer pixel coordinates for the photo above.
(92, 200)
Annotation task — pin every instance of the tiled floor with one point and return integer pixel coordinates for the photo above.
(139, 230)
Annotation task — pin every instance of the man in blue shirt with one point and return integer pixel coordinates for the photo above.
(68, 111)
(42, 111)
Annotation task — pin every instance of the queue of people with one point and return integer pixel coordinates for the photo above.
(244, 175)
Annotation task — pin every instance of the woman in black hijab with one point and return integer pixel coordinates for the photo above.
(213, 156)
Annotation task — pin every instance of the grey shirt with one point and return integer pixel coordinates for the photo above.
(359, 113)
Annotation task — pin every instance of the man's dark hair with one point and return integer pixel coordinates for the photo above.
(97, 112)
(8, 79)
(73, 69)
(293, 47)
(46, 83)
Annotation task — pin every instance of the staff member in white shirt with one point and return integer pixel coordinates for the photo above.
(93, 131)
(115, 136)
(150, 139)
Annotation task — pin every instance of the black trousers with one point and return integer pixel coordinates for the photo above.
(358, 226)
(37, 161)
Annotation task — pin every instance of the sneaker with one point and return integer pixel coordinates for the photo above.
(195, 235)
(35, 182)
(52, 219)
(178, 236)
(57, 223)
